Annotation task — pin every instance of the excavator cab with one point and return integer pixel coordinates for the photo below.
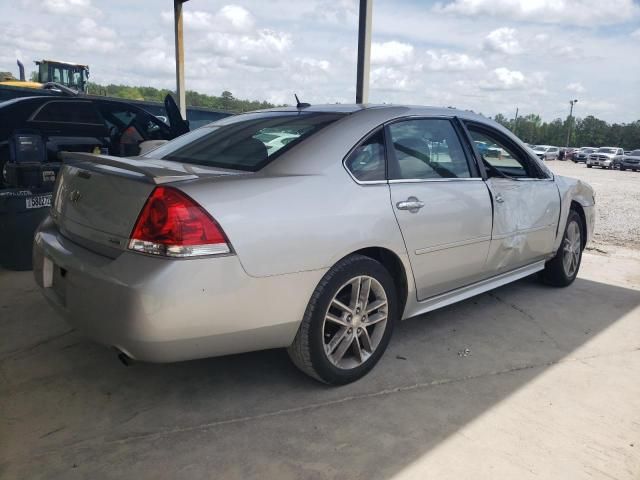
(71, 75)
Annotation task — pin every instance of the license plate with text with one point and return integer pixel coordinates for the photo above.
(40, 201)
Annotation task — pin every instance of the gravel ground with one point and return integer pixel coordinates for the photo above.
(617, 203)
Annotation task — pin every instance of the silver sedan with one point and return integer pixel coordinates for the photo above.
(228, 240)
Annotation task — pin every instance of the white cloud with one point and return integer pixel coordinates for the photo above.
(88, 26)
(11, 36)
(504, 79)
(451, 62)
(572, 12)
(239, 17)
(339, 12)
(63, 7)
(636, 34)
(230, 35)
(95, 37)
(502, 40)
(230, 18)
(263, 48)
(576, 87)
(311, 64)
(388, 78)
(391, 53)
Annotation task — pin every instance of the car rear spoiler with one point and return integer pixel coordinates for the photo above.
(148, 169)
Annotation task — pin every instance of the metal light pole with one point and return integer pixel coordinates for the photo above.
(364, 51)
(515, 122)
(570, 121)
(180, 89)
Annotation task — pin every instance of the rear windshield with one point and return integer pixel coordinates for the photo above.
(245, 142)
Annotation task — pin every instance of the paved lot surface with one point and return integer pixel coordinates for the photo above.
(526, 382)
(618, 199)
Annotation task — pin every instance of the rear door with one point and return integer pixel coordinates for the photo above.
(526, 202)
(441, 203)
(69, 125)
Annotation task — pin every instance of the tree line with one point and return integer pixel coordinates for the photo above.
(585, 132)
(226, 101)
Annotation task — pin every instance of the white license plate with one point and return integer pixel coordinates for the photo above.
(40, 201)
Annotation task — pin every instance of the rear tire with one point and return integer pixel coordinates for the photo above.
(622, 169)
(343, 334)
(589, 166)
(562, 269)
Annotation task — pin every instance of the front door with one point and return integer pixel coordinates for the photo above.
(525, 198)
(442, 205)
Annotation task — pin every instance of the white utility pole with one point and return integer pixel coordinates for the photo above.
(364, 51)
(180, 89)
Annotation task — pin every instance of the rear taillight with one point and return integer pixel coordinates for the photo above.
(171, 224)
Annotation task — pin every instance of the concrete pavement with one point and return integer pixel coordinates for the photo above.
(526, 381)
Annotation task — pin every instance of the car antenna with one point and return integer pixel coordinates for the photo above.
(300, 104)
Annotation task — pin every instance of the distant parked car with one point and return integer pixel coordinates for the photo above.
(631, 161)
(582, 154)
(547, 152)
(605, 157)
(569, 153)
(51, 125)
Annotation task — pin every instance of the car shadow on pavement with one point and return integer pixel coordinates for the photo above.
(69, 407)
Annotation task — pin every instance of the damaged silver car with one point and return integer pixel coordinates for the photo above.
(227, 240)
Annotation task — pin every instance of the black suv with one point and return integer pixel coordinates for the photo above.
(35, 130)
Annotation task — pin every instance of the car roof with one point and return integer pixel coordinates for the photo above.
(393, 109)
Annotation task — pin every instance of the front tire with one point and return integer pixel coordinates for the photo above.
(562, 269)
(348, 322)
(589, 166)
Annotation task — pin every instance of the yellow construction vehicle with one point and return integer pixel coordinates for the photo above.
(50, 72)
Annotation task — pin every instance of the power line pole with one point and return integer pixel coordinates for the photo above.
(515, 122)
(364, 51)
(569, 121)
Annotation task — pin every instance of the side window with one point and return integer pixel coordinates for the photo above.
(367, 161)
(68, 112)
(131, 123)
(426, 149)
(499, 155)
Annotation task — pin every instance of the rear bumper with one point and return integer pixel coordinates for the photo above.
(162, 310)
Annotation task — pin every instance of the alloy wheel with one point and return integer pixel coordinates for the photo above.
(355, 322)
(572, 248)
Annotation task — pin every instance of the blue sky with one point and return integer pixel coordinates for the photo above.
(487, 55)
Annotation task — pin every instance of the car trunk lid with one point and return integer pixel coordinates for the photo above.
(98, 198)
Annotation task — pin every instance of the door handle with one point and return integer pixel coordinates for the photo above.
(499, 198)
(412, 204)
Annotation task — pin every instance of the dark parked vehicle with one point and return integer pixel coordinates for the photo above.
(34, 130)
(631, 161)
(581, 155)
